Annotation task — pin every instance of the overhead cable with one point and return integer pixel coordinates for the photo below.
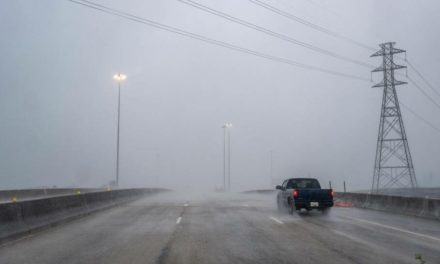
(175, 30)
(273, 33)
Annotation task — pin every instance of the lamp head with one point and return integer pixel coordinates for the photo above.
(119, 77)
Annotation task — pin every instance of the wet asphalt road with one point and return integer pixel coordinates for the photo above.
(236, 228)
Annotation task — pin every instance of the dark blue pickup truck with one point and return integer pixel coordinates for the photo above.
(303, 193)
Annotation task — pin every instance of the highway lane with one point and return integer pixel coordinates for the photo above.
(228, 228)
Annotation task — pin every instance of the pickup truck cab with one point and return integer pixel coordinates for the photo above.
(303, 193)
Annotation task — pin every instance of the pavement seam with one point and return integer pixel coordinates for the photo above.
(165, 251)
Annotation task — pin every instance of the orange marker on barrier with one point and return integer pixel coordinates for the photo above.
(14, 199)
(343, 204)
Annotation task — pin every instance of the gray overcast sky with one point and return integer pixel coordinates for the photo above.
(58, 99)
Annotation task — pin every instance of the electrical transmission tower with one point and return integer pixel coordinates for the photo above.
(393, 165)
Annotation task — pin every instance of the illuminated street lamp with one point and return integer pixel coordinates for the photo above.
(119, 78)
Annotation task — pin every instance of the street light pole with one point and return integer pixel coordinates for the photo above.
(229, 159)
(117, 137)
(271, 168)
(118, 77)
(224, 157)
(227, 137)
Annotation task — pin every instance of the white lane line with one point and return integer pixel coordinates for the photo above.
(178, 220)
(245, 205)
(393, 228)
(276, 220)
(185, 205)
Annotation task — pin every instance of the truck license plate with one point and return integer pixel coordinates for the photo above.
(314, 204)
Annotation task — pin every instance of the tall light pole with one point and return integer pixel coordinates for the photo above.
(224, 157)
(119, 78)
(271, 167)
(227, 138)
(229, 158)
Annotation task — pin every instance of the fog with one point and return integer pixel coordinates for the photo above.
(58, 100)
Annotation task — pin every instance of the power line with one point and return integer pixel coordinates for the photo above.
(420, 117)
(423, 78)
(310, 24)
(332, 33)
(423, 92)
(137, 19)
(258, 2)
(175, 30)
(367, 46)
(337, 35)
(272, 33)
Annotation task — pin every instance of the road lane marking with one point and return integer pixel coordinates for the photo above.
(393, 228)
(185, 205)
(178, 220)
(245, 205)
(276, 220)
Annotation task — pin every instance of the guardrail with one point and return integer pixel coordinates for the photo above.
(261, 191)
(29, 194)
(416, 206)
(17, 218)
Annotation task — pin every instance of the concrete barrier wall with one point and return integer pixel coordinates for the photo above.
(416, 206)
(27, 194)
(26, 216)
(262, 191)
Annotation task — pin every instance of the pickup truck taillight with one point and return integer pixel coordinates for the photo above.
(332, 193)
(295, 193)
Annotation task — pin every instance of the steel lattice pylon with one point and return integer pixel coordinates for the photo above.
(393, 165)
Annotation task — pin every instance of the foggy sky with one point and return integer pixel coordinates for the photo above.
(58, 101)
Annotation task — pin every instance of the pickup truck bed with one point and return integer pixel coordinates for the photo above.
(313, 199)
(304, 193)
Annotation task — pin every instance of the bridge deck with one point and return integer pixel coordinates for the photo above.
(239, 228)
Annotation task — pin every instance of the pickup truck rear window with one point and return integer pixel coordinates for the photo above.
(303, 184)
